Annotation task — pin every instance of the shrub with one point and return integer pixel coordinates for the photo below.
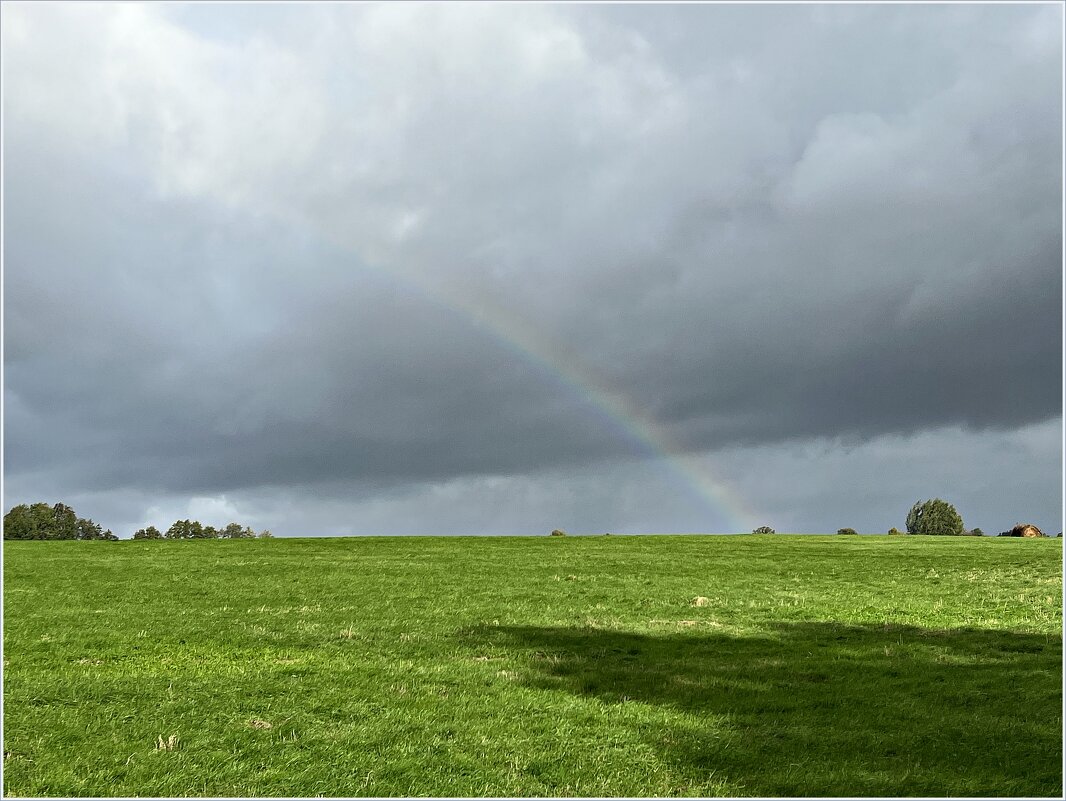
(977, 533)
(764, 530)
(149, 533)
(846, 531)
(558, 533)
(893, 531)
(934, 517)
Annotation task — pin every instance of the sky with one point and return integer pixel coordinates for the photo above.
(336, 269)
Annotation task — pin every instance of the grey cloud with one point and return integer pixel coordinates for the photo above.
(995, 480)
(357, 378)
(247, 251)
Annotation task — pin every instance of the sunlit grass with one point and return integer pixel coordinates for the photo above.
(555, 666)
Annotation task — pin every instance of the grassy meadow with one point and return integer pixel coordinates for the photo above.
(570, 666)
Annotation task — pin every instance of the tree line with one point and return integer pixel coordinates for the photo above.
(195, 530)
(938, 517)
(39, 521)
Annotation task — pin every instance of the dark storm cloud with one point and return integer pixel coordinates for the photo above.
(202, 367)
(251, 254)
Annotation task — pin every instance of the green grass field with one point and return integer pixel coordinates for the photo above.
(815, 666)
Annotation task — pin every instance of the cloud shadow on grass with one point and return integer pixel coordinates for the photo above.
(825, 709)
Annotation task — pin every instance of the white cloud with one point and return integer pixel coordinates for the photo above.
(207, 119)
(216, 511)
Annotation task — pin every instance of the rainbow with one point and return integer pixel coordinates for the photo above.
(690, 471)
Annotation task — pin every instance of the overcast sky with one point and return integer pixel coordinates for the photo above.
(498, 269)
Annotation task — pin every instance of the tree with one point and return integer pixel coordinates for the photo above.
(934, 517)
(764, 530)
(43, 522)
(64, 523)
(18, 523)
(846, 531)
(25, 522)
(232, 531)
(149, 533)
(88, 530)
(894, 531)
(185, 530)
(265, 535)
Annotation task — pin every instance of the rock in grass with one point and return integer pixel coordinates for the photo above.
(1026, 530)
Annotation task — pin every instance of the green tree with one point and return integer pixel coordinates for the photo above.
(846, 531)
(185, 530)
(764, 530)
(26, 522)
(232, 531)
(148, 533)
(265, 535)
(43, 522)
(64, 523)
(88, 530)
(18, 523)
(235, 531)
(934, 517)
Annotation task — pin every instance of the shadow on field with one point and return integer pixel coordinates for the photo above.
(824, 709)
